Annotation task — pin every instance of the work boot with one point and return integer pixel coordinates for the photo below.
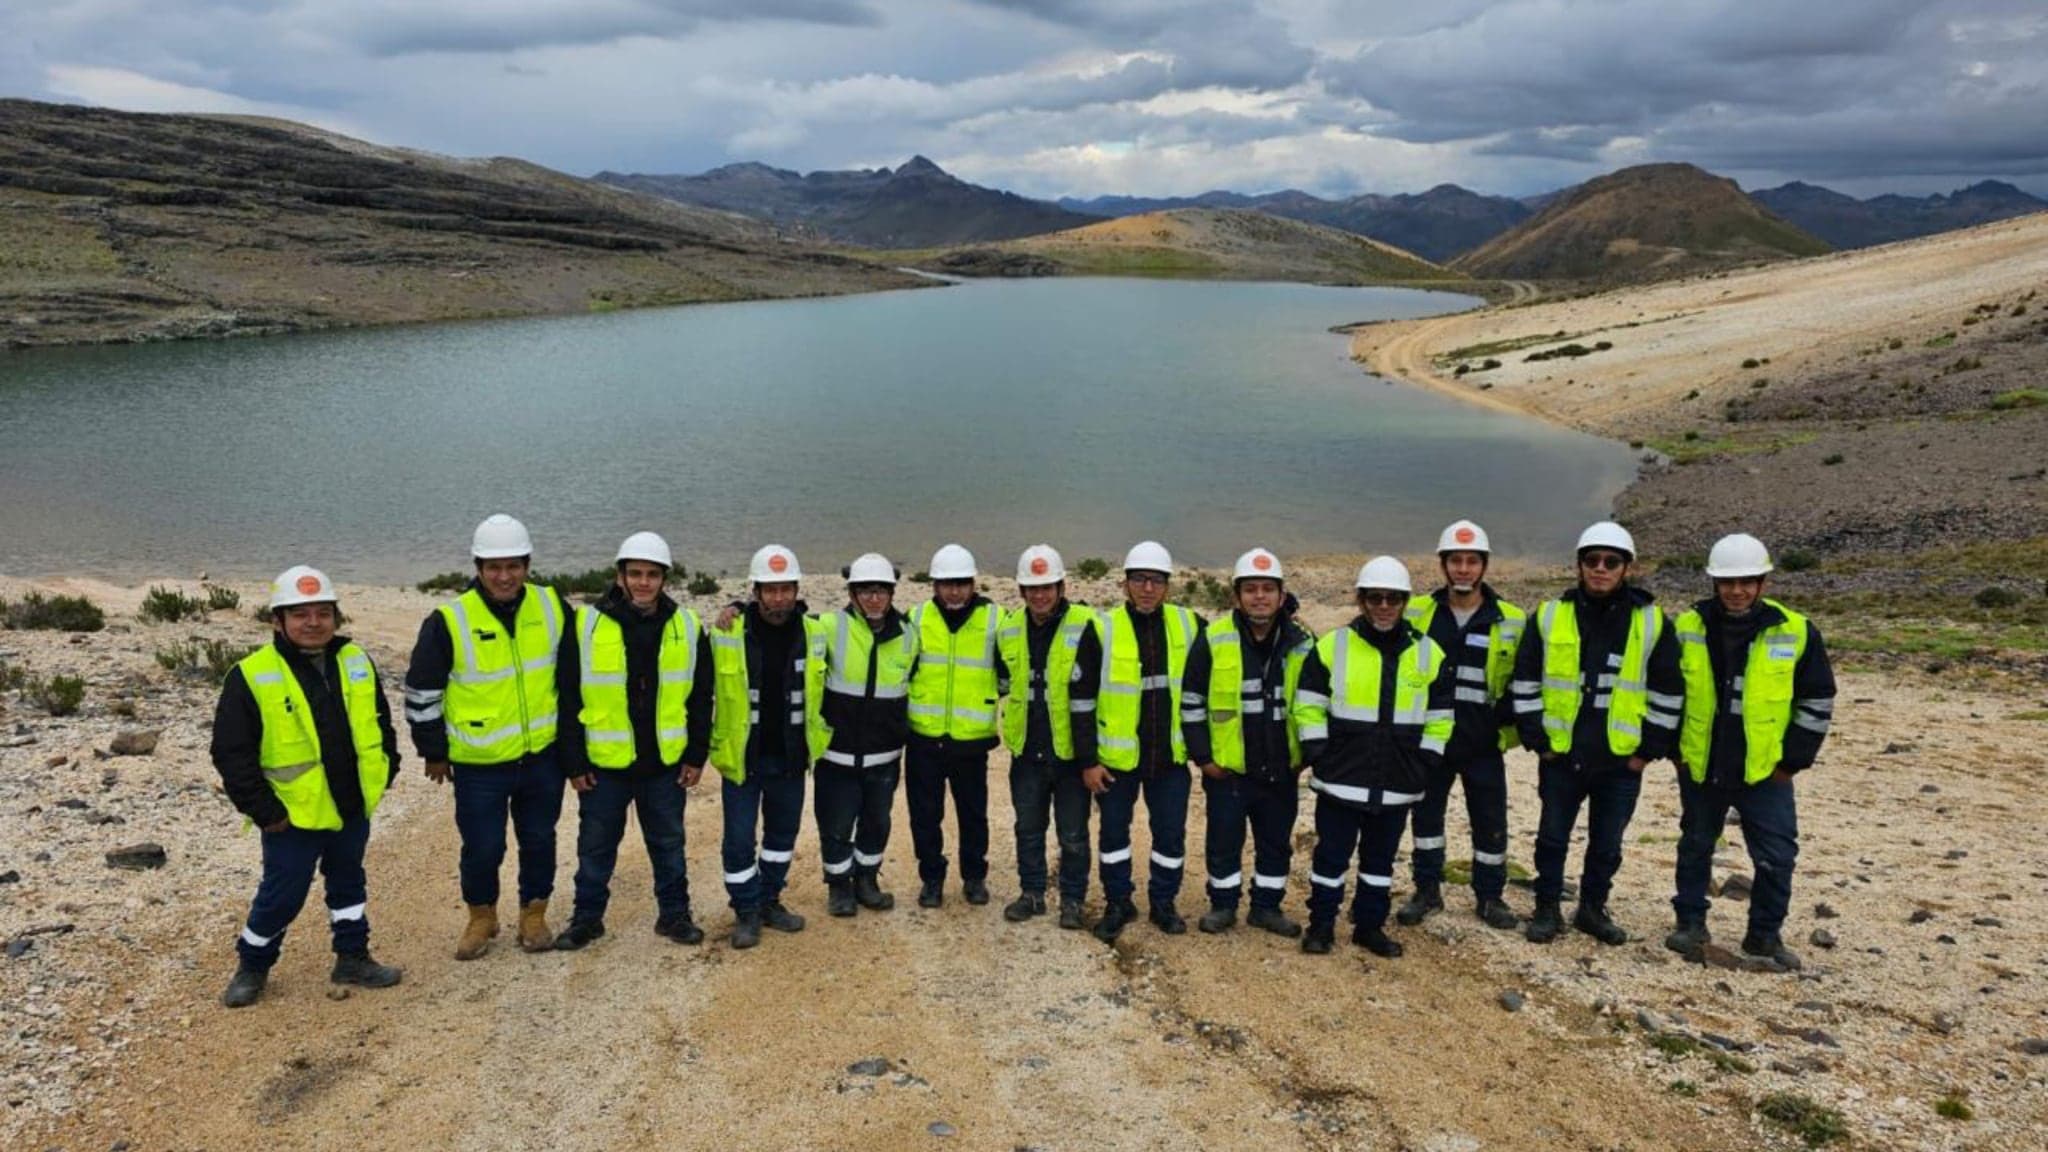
(245, 988)
(1218, 920)
(534, 935)
(1427, 898)
(1496, 913)
(931, 894)
(578, 934)
(1376, 941)
(359, 969)
(478, 933)
(1275, 921)
(1545, 924)
(1072, 915)
(1168, 920)
(679, 928)
(1024, 907)
(775, 916)
(746, 928)
(867, 892)
(1689, 937)
(1115, 916)
(839, 900)
(1771, 947)
(1319, 938)
(976, 891)
(1593, 920)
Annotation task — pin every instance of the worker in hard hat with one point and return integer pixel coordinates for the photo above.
(869, 653)
(1597, 696)
(1759, 698)
(1237, 720)
(303, 742)
(953, 694)
(635, 683)
(769, 730)
(1054, 659)
(480, 702)
(1479, 633)
(1138, 745)
(1374, 709)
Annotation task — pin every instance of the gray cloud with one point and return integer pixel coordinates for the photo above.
(402, 27)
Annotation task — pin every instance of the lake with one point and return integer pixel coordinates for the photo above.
(1085, 413)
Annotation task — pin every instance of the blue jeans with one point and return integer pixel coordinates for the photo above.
(1770, 829)
(658, 800)
(1050, 791)
(1486, 808)
(928, 772)
(289, 860)
(1611, 797)
(1235, 801)
(773, 797)
(530, 791)
(1375, 835)
(853, 809)
(1166, 811)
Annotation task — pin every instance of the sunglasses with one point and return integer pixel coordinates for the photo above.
(1383, 599)
(1144, 578)
(1603, 560)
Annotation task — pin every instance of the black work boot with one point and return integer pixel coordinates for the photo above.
(578, 934)
(839, 899)
(1376, 941)
(245, 988)
(1275, 921)
(359, 969)
(1427, 898)
(867, 892)
(775, 916)
(1770, 946)
(1497, 914)
(1319, 938)
(746, 928)
(1072, 915)
(976, 891)
(1114, 916)
(1688, 938)
(1168, 920)
(1545, 924)
(1217, 920)
(931, 894)
(1024, 907)
(679, 928)
(1593, 920)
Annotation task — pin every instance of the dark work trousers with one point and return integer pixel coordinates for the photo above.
(773, 797)
(1235, 801)
(1770, 829)
(530, 792)
(1166, 811)
(289, 860)
(928, 771)
(1611, 798)
(853, 808)
(1043, 791)
(658, 801)
(1374, 834)
(1485, 780)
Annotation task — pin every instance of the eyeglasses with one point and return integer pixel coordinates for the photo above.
(1384, 599)
(1603, 560)
(1144, 578)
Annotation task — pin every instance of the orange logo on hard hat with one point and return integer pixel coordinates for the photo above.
(1039, 567)
(1262, 562)
(1463, 535)
(778, 563)
(309, 585)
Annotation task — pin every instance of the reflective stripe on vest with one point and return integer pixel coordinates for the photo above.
(1355, 667)
(1765, 703)
(737, 706)
(607, 721)
(1014, 642)
(1502, 641)
(1625, 694)
(290, 749)
(1124, 684)
(1231, 696)
(953, 690)
(851, 652)
(500, 704)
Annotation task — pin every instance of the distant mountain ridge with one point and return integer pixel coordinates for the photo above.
(1436, 225)
(1847, 222)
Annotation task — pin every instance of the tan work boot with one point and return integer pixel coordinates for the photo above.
(533, 926)
(477, 934)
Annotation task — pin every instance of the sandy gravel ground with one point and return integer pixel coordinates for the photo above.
(996, 1035)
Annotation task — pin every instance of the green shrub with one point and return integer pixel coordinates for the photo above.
(59, 695)
(1996, 596)
(1489, 365)
(1673, 1045)
(2019, 398)
(1954, 1107)
(1797, 560)
(1814, 1123)
(1750, 363)
(168, 606)
(1691, 436)
(920, 577)
(12, 679)
(1942, 341)
(212, 659)
(1730, 1062)
(703, 584)
(1685, 1088)
(219, 599)
(591, 582)
(1204, 590)
(1092, 568)
(1462, 370)
(1832, 459)
(37, 612)
(1693, 395)
(445, 582)
(1894, 344)
(1759, 384)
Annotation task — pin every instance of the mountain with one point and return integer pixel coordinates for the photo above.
(1847, 222)
(1649, 222)
(121, 226)
(918, 205)
(1435, 225)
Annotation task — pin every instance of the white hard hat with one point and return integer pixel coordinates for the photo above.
(1737, 556)
(1608, 534)
(301, 585)
(952, 563)
(1385, 572)
(1148, 556)
(774, 565)
(645, 546)
(871, 568)
(500, 537)
(1040, 565)
(1464, 536)
(1257, 564)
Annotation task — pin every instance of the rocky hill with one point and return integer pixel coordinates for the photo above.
(117, 226)
(1847, 222)
(918, 205)
(1436, 225)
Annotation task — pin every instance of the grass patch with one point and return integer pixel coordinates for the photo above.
(207, 659)
(1954, 1107)
(1694, 447)
(220, 599)
(168, 606)
(36, 612)
(1729, 1062)
(1566, 351)
(445, 582)
(703, 584)
(1685, 1088)
(1501, 347)
(58, 695)
(2020, 398)
(1204, 590)
(1673, 1045)
(1458, 873)
(1154, 263)
(1814, 1123)
(2039, 714)
(1091, 568)
(1942, 341)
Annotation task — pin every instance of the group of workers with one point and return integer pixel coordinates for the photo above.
(513, 697)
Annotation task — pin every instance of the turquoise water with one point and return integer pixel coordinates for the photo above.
(1086, 413)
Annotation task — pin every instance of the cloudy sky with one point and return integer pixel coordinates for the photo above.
(1083, 97)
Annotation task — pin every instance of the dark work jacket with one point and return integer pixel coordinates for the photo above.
(1603, 635)
(1084, 686)
(1477, 736)
(1389, 763)
(956, 619)
(1158, 711)
(1813, 693)
(777, 658)
(1266, 754)
(433, 659)
(866, 725)
(642, 634)
(238, 736)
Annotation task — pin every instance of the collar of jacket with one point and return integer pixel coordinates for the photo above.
(1629, 595)
(1394, 639)
(890, 627)
(956, 618)
(1287, 631)
(1485, 615)
(617, 605)
(1765, 615)
(290, 651)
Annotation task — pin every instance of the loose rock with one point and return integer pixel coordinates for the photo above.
(1988, 922)
(1825, 912)
(135, 741)
(2034, 1047)
(10, 877)
(876, 1066)
(1920, 916)
(940, 1128)
(1736, 887)
(138, 857)
(1511, 1000)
